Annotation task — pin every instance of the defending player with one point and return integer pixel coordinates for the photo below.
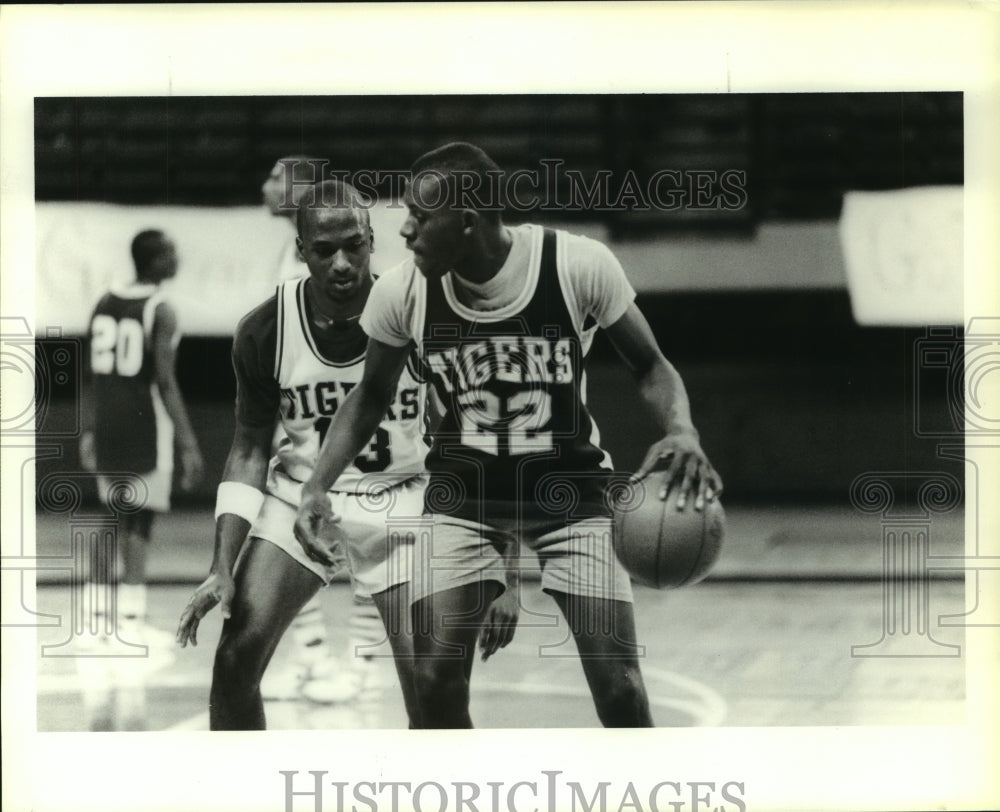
(135, 408)
(297, 356)
(503, 317)
(312, 670)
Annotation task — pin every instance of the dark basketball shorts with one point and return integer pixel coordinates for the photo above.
(577, 559)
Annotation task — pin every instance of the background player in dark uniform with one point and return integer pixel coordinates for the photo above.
(503, 317)
(135, 410)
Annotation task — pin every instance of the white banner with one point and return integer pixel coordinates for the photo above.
(903, 253)
(229, 259)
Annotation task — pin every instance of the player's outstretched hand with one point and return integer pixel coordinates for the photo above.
(500, 623)
(216, 589)
(314, 529)
(687, 467)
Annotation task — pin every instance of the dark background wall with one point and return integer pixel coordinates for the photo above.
(792, 405)
(793, 399)
(800, 151)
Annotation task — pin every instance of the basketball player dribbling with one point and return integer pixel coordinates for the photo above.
(135, 410)
(503, 318)
(296, 356)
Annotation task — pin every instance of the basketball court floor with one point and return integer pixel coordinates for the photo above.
(797, 626)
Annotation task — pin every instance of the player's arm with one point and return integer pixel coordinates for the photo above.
(501, 618)
(240, 496)
(165, 361)
(350, 431)
(241, 492)
(679, 451)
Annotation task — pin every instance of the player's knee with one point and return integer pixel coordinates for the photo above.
(238, 663)
(621, 695)
(438, 687)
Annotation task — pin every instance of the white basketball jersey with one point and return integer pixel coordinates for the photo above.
(312, 388)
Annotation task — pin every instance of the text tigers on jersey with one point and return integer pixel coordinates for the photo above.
(508, 359)
(322, 400)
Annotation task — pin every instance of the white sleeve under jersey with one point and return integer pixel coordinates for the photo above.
(390, 312)
(592, 279)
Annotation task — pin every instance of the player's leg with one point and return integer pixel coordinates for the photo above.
(604, 631)
(102, 580)
(445, 629)
(271, 588)
(95, 678)
(581, 572)
(394, 608)
(135, 530)
(457, 573)
(311, 653)
(130, 674)
(126, 582)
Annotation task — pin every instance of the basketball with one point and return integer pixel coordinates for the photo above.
(661, 546)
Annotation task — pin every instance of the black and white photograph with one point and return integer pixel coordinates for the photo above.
(381, 437)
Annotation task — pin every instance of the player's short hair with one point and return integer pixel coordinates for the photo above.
(472, 178)
(332, 194)
(146, 246)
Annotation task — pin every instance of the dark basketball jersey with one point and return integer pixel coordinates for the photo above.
(516, 434)
(132, 429)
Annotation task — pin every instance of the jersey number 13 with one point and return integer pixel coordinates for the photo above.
(377, 458)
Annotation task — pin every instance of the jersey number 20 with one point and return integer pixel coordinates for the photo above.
(116, 346)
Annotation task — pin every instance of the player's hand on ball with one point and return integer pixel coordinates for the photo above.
(687, 466)
(314, 529)
(216, 589)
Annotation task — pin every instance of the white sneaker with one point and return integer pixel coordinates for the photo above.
(285, 683)
(160, 646)
(139, 632)
(345, 685)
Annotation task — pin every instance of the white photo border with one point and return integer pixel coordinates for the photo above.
(498, 48)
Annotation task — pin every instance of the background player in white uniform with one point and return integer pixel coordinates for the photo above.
(297, 356)
(288, 179)
(503, 318)
(312, 670)
(134, 410)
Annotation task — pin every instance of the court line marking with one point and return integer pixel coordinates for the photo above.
(706, 709)
(713, 705)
